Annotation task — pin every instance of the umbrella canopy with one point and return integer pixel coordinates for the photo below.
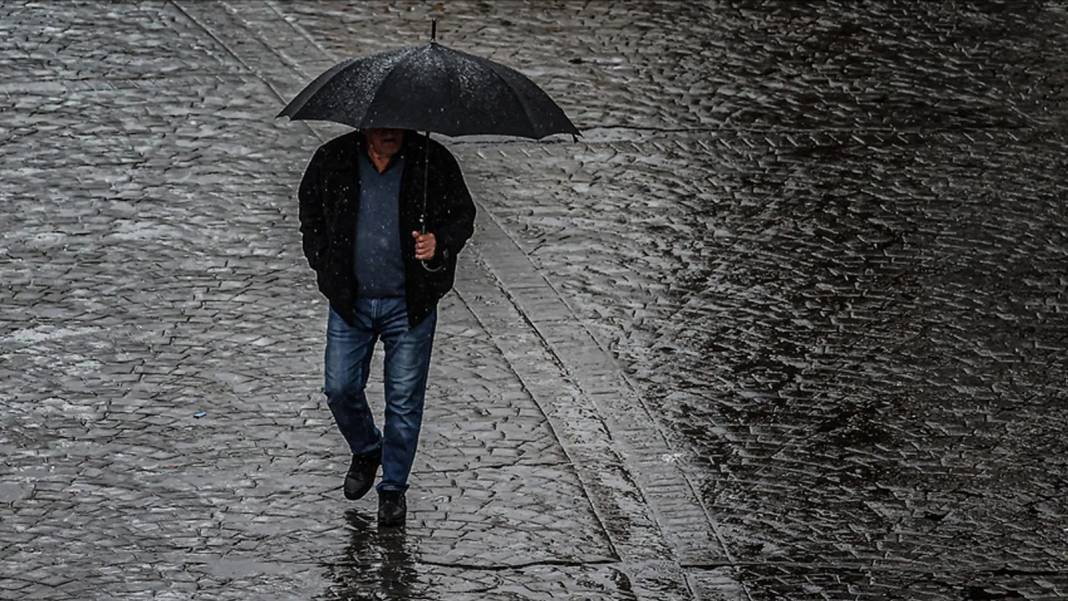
(431, 88)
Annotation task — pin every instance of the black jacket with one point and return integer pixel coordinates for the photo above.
(329, 197)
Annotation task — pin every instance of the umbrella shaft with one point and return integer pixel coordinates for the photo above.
(426, 177)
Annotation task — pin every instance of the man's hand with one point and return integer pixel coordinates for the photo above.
(425, 245)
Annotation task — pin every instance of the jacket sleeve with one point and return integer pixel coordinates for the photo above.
(458, 220)
(312, 222)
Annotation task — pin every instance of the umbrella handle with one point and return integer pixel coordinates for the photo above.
(426, 178)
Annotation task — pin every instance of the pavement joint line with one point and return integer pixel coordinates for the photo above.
(548, 422)
(273, 5)
(253, 72)
(287, 61)
(501, 567)
(638, 131)
(867, 567)
(863, 129)
(223, 45)
(520, 566)
(496, 466)
(633, 389)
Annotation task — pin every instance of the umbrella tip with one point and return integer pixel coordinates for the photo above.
(433, 30)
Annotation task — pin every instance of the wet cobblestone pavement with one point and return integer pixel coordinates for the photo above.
(788, 322)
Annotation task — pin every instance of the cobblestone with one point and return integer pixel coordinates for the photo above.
(787, 323)
(867, 366)
(750, 64)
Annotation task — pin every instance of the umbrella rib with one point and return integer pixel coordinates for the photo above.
(522, 103)
(452, 79)
(382, 85)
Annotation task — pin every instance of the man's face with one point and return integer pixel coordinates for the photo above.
(385, 142)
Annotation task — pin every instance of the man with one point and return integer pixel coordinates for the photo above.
(361, 201)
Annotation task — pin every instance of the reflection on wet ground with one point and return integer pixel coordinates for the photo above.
(376, 564)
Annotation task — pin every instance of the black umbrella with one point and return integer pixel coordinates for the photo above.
(430, 88)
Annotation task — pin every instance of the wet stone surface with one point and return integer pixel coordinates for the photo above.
(835, 362)
(788, 322)
(750, 64)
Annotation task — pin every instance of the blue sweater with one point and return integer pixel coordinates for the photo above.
(379, 265)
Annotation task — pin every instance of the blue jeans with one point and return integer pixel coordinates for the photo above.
(407, 361)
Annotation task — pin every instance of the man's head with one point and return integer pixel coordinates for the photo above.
(384, 142)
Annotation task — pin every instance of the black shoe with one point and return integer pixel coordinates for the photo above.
(361, 475)
(391, 508)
